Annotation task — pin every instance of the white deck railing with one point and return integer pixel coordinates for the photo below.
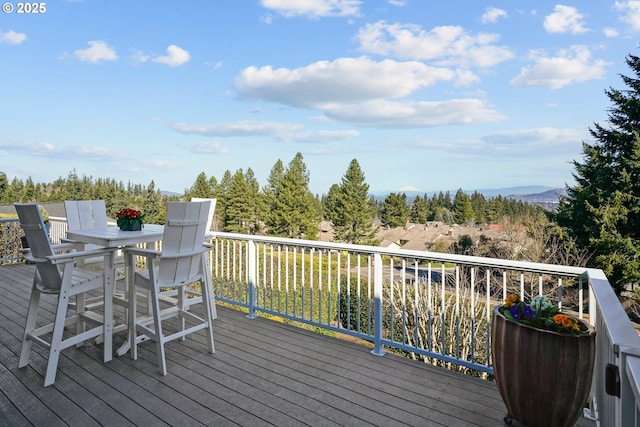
(431, 306)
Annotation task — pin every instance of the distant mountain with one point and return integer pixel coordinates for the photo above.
(520, 191)
(547, 199)
(512, 192)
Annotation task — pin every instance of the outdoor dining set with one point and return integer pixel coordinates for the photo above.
(82, 272)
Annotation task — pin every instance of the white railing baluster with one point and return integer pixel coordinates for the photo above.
(252, 271)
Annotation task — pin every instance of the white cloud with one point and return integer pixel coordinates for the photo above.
(322, 136)
(139, 57)
(492, 14)
(11, 37)
(573, 65)
(60, 152)
(447, 45)
(631, 12)
(211, 147)
(96, 52)
(313, 8)
(241, 128)
(565, 19)
(176, 56)
(409, 188)
(539, 141)
(344, 80)
(414, 114)
(365, 92)
(610, 32)
(513, 145)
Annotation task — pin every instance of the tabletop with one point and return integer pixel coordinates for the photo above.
(113, 237)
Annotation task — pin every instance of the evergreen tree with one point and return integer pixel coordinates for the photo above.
(332, 203)
(15, 191)
(353, 210)
(256, 201)
(462, 208)
(602, 210)
(222, 196)
(73, 188)
(270, 192)
(201, 187)
(395, 211)
(419, 211)
(29, 194)
(479, 206)
(291, 206)
(4, 185)
(240, 203)
(153, 206)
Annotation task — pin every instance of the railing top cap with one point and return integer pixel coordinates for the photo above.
(407, 253)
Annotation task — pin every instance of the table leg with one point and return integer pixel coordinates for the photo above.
(109, 269)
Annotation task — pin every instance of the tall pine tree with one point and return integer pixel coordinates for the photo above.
(351, 210)
(602, 211)
(395, 211)
(292, 208)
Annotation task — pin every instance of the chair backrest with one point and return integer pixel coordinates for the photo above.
(212, 210)
(182, 242)
(39, 244)
(83, 214)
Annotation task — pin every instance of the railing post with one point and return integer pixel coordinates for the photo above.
(377, 305)
(628, 383)
(253, 274)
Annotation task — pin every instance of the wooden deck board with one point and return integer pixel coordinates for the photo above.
(263, 373)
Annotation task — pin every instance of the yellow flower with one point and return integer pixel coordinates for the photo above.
(511, 299)
(566, 321)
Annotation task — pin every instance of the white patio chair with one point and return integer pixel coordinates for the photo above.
(193, 291)
(212, 210)
(85, 214)
(182, 261)
(56, 273)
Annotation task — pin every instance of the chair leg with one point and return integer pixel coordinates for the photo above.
(206, 300)
(182, 303)
(56, 339)
(30, 325)
(131, 318)
(208, 305)
(81, 326)
(157, 326)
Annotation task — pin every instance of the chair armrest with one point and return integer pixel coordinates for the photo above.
(183, 254)
(68, 245)
(74, 256)
(57, 249)
(26, 253)
(142, 252)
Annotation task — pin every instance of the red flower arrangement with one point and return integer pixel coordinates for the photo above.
(128, 219)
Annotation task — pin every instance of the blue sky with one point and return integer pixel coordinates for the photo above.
(462, 94)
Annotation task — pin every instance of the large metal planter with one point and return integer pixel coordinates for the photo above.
(544, 377)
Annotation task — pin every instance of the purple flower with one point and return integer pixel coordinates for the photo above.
(515, 313)
(529, 313)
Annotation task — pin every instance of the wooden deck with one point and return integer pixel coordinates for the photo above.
(263, 373)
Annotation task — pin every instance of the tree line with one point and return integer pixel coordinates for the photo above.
(597, 224)
(283, 207)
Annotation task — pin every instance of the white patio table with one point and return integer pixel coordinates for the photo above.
(113, 237)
